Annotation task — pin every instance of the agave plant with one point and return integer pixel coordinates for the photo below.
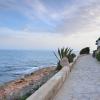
(64, 52)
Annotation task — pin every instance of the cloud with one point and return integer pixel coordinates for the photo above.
(34, 11)
(72, 16)
(85, 19)
(79, 14)
(28, 40)
(78, 24)
(31, 40)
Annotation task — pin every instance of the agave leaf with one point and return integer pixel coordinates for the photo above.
(56, 55)
(69, 52)
(66, 52)
(62, 53)
(59, 53)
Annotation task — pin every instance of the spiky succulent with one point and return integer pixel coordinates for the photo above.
(64, 52)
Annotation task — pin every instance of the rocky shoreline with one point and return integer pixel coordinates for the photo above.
(22, 88)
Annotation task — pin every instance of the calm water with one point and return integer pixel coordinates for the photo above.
(14, 63)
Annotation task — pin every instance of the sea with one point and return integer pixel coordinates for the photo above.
(16, 63)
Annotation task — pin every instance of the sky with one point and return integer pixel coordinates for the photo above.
(49, 24)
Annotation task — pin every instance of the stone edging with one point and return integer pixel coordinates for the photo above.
(51, 87)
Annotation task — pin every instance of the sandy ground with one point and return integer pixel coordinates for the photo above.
(83, 82)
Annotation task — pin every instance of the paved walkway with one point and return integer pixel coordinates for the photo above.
(83, 82)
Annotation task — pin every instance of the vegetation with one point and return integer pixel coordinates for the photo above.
(85, 50)
(98, 56)
(97, 40)
(64, 52)
(24, 97)
(59, 67)
(94, 53)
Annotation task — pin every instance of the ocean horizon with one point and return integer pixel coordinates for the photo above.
(16, 63)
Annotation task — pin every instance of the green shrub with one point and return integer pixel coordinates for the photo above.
(59, 67)
(71, 57)
(85, 50)
(98, 56)
(94, 53)
(64, 52)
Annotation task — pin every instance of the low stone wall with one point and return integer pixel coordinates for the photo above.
(51, 87)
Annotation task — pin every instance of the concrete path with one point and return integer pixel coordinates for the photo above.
(83, 82)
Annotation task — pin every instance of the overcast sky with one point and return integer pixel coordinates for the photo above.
(49, 24)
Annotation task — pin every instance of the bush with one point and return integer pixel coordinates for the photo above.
(85, 50)
(59, 67)
(98, 56)
(94, 53)
(71, 57)
(64, 52)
